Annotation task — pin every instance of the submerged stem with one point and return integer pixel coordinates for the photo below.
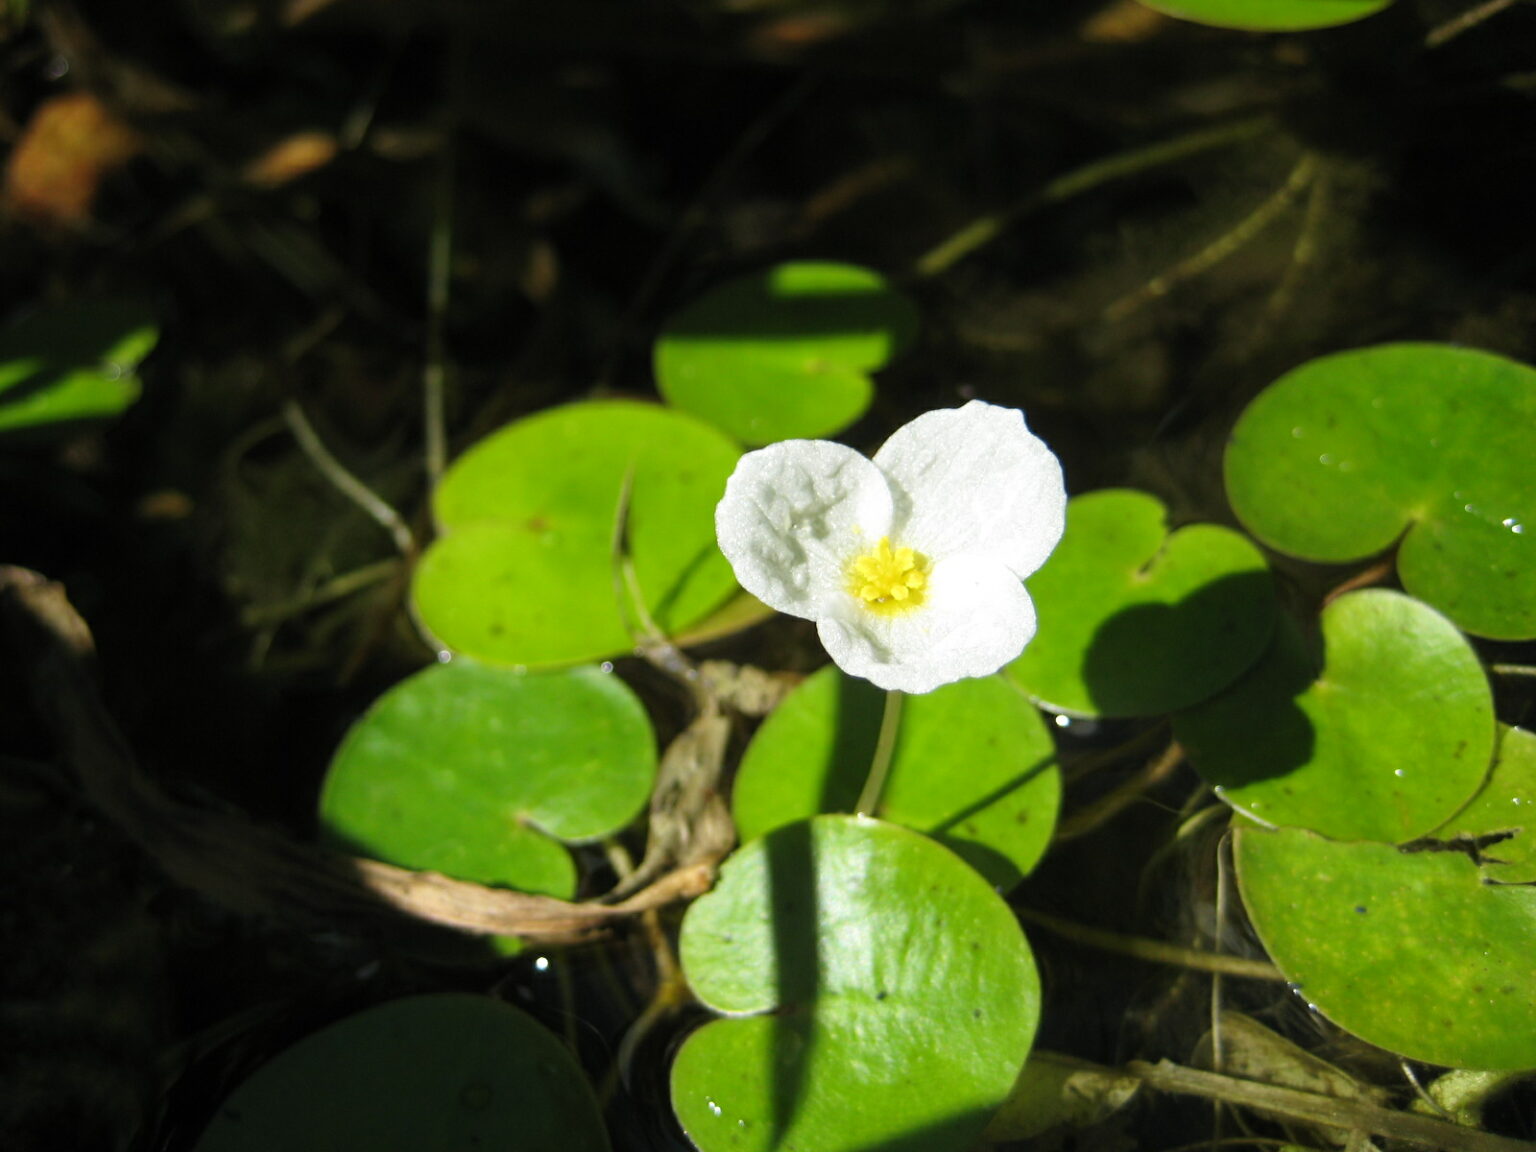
(345, 482)
(1152, 951)
(984, 230)
(885, 748)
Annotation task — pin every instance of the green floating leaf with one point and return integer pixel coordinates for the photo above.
(1430, 443)
(974, 767)
(73, 362)
(1376, 732)
(447, 1072)
(784, 353)
(903, 996)
(1270, 15)
(1135, 621)
(1410, 951)
(1507, 803)
(479, 772)
(524, 573)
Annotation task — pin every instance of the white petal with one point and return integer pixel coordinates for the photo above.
(975, 618)
(793, 515)
(975, 479)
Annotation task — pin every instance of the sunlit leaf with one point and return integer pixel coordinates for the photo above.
(1270, 15)
(1379, 729)
(479, 772)
(524, 573)
(1506, 805)
(73, 362)
(784, 353)
(888, 996)
(1424, 443)
(1410, 951)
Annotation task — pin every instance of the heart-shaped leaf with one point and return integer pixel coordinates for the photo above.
(1270, 15)
(903, 997)
(783, 353)
(479, 772)
(1377, 730)
(1135, 621)
(447, 1072)
(1338, 459)
(73, 362)
(1410, 951)
(974, 767)
(525, 572)
(1506, 804)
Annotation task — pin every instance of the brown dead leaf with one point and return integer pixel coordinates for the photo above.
(1122, 22)
(69, 145)
(293, 156)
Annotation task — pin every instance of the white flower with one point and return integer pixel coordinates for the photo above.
(911, 564)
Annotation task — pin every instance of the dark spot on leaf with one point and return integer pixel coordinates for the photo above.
(1360, 908)
(882, 994)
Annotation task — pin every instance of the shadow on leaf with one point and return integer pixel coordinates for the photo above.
(1153, 658)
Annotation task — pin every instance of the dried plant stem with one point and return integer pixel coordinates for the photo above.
(1218, 989)
(336, 588)
(672, 993)
(885, 749)
(1304, 251)
(1460, 23)
(246, 867)
(344, 482)
(1224, 246)
(1315, 1108)
(1365, 578)
(1152, 951)
(1512, 670)
(985, 229)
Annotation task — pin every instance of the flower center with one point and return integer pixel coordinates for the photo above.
(887, 579)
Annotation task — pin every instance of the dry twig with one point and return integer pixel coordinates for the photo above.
(244, 866)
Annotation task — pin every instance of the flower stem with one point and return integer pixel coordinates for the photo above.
(880, 764)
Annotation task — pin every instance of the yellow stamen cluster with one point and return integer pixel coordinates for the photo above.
(889, 579)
